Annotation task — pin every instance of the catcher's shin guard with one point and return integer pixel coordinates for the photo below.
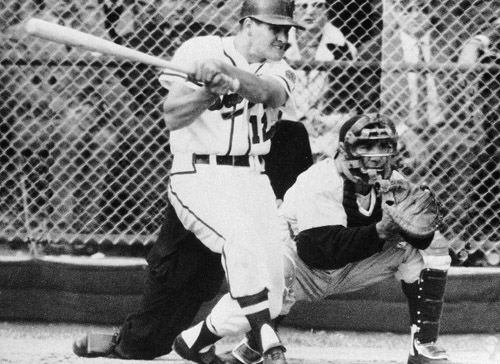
(425, 300)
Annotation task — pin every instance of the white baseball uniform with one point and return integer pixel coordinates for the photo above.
(318, 198)
(218, 186)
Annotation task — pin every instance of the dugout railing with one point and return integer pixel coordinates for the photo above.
(84, 155)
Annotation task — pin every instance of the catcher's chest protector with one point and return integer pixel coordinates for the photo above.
(354, 216)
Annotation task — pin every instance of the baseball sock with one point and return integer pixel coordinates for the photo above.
(199, 338)
(256, 308)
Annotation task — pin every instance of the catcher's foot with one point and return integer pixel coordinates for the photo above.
(428, 354)
(181, 348)
(94, 345)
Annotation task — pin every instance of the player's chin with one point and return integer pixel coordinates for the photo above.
(276, 54)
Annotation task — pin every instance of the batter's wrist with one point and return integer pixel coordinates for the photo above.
(208, 97)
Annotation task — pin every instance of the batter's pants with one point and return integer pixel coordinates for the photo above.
(183, 273)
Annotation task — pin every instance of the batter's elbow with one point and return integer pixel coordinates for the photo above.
(172, 123)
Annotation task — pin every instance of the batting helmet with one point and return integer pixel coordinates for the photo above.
(355, 135)
(276, 12)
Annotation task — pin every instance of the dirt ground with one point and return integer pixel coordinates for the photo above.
(47, 343)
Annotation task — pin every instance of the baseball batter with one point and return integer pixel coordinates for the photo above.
(342, 241)
(221, 121)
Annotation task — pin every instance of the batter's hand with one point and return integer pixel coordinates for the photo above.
(210, 73)
(221, 84)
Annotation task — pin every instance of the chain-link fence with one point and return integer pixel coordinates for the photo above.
(84, 155)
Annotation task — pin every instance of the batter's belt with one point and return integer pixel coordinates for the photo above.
(226, 160)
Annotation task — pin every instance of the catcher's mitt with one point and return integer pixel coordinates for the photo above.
(414, 209)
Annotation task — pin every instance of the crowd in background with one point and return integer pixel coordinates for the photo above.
(65, 106)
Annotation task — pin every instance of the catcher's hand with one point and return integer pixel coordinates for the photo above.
(410, 210)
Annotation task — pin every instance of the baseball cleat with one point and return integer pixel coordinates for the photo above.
(243, 353)
(94, 345)
(181, 348)
(229, 358)
(427, 354)
(275, 355)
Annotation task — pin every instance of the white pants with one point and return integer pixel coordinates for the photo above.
(232, 210)
(401, 261)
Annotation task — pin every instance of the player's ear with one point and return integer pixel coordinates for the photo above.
(247, 24)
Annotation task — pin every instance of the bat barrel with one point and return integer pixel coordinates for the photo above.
(65, 35)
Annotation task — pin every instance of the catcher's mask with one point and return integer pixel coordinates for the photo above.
(275, 12)
(362, 139)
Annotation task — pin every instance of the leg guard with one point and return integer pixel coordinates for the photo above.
(425, 299)
(430, 300)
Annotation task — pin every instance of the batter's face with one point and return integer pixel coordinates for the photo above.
(268, 41)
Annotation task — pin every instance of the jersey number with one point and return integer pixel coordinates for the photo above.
(266, 134)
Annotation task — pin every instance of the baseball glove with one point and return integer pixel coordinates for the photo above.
(415, 210)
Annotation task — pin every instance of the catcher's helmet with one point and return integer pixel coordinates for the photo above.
(355, 137)
(276, 12)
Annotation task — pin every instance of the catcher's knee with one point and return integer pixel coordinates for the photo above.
(437, 255)
(290, 271)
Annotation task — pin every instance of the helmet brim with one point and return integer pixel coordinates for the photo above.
(275, 20)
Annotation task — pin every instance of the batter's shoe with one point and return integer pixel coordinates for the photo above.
(228, 358)
(243, 353)
(427, 354)
(95, 345)
(275, 355)
(181, 348)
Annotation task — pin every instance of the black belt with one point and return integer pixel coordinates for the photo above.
(226, 160)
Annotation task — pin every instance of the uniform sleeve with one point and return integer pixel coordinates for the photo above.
(285, 75)
(333, 247)
(314, 200)
(183, 57)
(319, 206)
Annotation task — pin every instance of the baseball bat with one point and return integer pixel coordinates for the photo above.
(65, 35)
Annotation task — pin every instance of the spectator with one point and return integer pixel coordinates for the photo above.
(182, 21)
(92, 19)
(320, 41)
(355, 86)
(482, 54)
(415, 24)
(62, 12)
(26, 169)
(82, 141)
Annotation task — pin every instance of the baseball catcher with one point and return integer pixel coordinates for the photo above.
(356, 219)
